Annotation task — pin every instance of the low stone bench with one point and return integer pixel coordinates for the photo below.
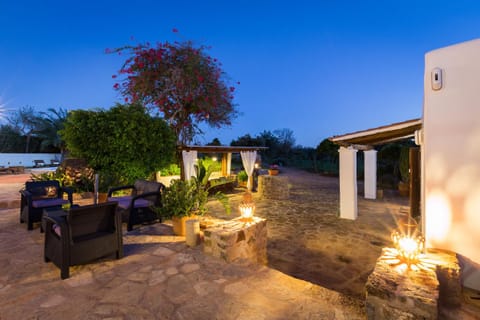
(236, 240)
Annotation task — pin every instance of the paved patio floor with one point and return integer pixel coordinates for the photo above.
(318, 265)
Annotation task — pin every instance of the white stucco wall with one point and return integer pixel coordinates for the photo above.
(26, 159)
(451, 152)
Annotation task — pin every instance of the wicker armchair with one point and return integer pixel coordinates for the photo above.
(137, 207)
(82, 235)
(39, 195)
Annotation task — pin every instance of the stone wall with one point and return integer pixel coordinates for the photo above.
(273, 187)
(238, 240)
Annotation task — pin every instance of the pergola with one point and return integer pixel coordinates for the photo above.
(189, 154)
(365, 140)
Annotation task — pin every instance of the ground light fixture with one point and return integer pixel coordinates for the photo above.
(409, 246)
(407, 253)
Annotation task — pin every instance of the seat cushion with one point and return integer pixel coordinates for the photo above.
(142, 186)
(124, 202)
(48, 202)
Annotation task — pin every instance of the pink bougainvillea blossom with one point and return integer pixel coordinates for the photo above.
(182, 82)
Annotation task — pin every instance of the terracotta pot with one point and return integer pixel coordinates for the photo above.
(272, 172)
(242, 184)
(404, 189)
(102, 197)
(179, 224)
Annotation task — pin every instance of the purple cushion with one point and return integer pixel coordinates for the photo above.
(124, 202)
(49, 202)
(56, 229)
(142, 203)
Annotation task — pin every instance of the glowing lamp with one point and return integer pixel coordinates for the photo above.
(247, 210)
(409, 245)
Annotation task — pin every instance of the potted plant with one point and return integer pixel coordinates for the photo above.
(185, 200)
(106, 180)
(242, 178)
(404, 167)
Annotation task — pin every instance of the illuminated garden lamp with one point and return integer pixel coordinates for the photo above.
(247, 210)
(247, 207)
(409, 245)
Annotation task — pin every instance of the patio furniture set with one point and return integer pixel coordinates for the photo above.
(80, 234)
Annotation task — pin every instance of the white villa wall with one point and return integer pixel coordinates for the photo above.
(451, 153)
(26, 159)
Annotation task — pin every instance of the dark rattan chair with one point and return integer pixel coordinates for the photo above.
(39, 195)
(82, 235)
(137, 207)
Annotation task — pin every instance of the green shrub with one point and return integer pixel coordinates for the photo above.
(242, 176)
(171, 170)
(124, 140)
(214, 166)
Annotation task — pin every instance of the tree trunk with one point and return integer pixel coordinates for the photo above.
(27, 143)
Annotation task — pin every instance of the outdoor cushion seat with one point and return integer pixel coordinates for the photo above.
(139, 206)
(82, 235)
(39, 195)
(125, 202)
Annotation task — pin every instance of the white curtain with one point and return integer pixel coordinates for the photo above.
(189, 158)
(248, 160)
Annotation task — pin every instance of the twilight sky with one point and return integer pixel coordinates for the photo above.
(319, 68)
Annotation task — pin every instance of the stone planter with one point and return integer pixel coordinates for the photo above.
(273, 187)
(272, 172)
(179, 224)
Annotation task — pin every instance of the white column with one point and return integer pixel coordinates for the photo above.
(370, 174)
(348, 183)
(229, 164)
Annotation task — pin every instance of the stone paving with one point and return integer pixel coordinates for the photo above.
(159, 278)
(317, 267)
(307, 240)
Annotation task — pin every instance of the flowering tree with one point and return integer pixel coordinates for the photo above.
(183, 83)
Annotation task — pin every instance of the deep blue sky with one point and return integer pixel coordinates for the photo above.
(319, 68)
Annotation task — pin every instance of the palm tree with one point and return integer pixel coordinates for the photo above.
(50, 123)
(25, 121)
